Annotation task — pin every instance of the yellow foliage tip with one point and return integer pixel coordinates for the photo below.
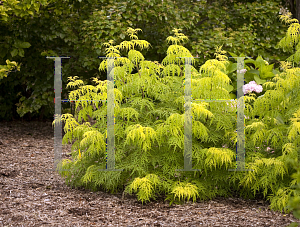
(79, 155)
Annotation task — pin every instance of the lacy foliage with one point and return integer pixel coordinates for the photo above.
(149, 130)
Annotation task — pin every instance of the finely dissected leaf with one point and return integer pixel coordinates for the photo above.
(135, 57)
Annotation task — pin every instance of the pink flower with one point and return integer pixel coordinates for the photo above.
(242, 71)
(252, 86)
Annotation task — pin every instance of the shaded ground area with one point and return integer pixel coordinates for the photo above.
(32, 196)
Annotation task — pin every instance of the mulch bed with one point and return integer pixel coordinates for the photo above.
(32, 196)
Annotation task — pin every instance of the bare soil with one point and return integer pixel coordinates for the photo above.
(32, 196)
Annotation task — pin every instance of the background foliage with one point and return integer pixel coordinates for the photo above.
(32, 30)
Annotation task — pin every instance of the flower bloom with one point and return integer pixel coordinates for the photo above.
(268, 150)
(233, 104)
(252, 86)
(242, 71)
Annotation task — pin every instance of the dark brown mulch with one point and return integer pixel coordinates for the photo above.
(32, 196)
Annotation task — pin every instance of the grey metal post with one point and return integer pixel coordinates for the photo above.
(57, 116)
(110, 118)
(188, 119)
(240, 145)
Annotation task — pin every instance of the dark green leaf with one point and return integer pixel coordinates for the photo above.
(14, 52)
(24, 45)
(21, 52)
(253, 71)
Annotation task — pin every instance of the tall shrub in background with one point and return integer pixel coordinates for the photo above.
(78, 28)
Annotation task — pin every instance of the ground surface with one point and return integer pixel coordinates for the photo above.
(32, 196)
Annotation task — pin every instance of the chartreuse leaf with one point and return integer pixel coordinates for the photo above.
(266, 71)
(229, 88)
(259, 63)
(232, 54)
(258, 80)
(269, 75)
(249, 61)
